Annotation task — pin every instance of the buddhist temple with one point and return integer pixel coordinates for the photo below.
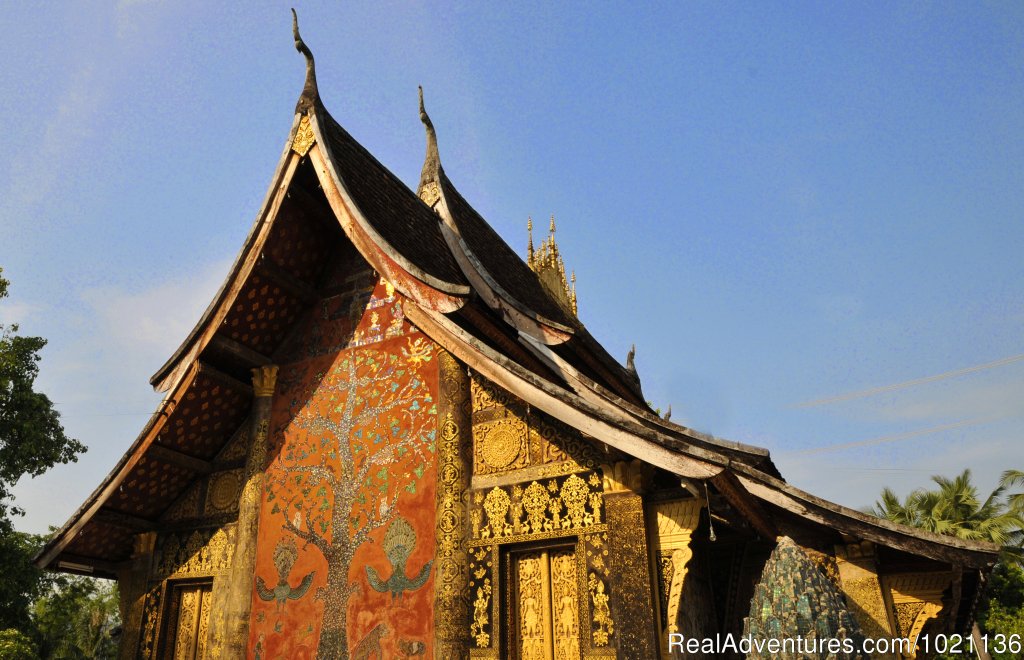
(390, 436)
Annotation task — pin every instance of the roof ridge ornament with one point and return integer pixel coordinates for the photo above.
(429, 189)
(547, 262)
(310, 94)
(529, 245)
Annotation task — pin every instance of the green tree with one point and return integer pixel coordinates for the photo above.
(22, 582)
(76, 619)
(31, 441)
(31, 437)
(16, 645)
(955, 509)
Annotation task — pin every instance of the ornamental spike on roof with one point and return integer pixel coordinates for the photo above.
(550, 268)
(310, 94)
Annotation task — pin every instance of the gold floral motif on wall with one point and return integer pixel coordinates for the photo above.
(547, 508)
(200, 552)
(508, 436)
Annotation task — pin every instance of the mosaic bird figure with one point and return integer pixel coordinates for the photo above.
(285, 555)
(399, 541)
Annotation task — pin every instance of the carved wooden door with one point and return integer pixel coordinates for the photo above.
(545, 605)
(187, 621)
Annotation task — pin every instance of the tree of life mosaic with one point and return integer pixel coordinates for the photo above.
(344, 561)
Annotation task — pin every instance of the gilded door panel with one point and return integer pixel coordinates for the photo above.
(565, 606)
(187, 621)
(547, 605)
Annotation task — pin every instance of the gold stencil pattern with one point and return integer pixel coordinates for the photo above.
(868, 606)
(201, 552)
(450, 608)
(564, 606)
(631, 590)
(548, 612)
(555, 506)
(204, 622)
(479, 627)
(224, 491)
(188, 609)
(509, 437)
(151, 618)
(304, 137)
(602, 611)
(501, 444)
(532, 623)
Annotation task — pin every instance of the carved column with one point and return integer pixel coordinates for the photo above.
(627, 539)
(675, 523)
(132, 586)
(867, 600)
(451, 607)
(229, 633)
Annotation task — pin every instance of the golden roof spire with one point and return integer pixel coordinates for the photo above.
(550, 267)
(572, 294)
(529, 246)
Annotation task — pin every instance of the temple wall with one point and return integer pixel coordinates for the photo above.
(557, 541)
(345, 555)
(184, 566)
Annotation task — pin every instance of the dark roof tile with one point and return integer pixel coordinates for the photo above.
(395, 212)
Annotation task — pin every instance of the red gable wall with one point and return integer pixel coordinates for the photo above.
(346, 542)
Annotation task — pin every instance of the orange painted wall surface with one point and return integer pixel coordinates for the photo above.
(346, 540)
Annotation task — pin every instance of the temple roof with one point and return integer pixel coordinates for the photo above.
(394, 211)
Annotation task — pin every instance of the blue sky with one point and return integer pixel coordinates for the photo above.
(779, 205)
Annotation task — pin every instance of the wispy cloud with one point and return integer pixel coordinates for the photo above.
(152, 322)
(99, 379)
(36, 172)
(15, 311)
(861, 394)
(893, 437)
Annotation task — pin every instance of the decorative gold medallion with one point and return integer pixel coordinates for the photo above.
(224, 491)
(430, 193)
(501, 446)
(304, 137)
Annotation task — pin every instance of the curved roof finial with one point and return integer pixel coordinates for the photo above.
(432, 162)
(310, 94)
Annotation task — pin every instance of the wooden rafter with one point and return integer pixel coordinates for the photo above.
(100, 565)
(243, 353)
(176, 458)
(729, 486)
(288, 282)
(124, 520)
(219, 376)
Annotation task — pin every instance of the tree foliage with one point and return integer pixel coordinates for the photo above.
(48, 615)
(16, 645)
(77, 619)
(955, 509)
(31, 436)
(23, 583)
(41, 615)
